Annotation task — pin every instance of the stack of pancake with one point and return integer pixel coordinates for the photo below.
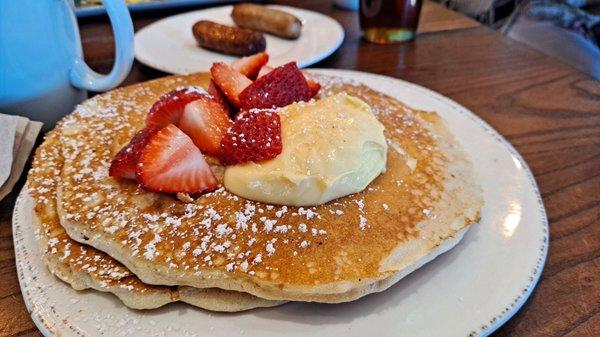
(224, 253)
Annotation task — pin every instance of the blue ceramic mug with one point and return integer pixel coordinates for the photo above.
(42, 72)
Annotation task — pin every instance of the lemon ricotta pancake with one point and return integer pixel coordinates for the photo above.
(338, 251)
(85, 267)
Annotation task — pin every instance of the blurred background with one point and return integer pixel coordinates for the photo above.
(568, 30)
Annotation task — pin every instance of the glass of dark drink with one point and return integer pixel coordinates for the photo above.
(389, 21)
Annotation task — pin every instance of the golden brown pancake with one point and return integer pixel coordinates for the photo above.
(85, 267)
(339, 251)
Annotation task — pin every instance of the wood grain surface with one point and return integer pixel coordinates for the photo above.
(549, 111)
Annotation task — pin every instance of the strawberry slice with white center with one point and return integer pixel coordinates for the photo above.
(124, 163)
(171, 163)
(206, 122)
(230, 82)
(218, 96)
(249, 66)
(263, 71)
(169, 107)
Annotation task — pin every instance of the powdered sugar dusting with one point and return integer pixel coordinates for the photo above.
(217, 230)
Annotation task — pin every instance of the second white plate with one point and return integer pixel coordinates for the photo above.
(169, 44)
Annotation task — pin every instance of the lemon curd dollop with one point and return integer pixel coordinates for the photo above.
(331, 148)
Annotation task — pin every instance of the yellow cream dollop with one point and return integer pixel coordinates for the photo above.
(331, 148)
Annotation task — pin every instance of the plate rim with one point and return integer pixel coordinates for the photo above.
(498, 320)
(39, 322)
(341, 36)
(485, 328)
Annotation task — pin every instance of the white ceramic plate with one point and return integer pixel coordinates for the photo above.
(469, 291)
(169, 45)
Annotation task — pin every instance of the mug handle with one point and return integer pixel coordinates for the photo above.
(83, 77)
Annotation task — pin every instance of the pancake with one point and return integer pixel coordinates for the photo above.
(84, 267)
(339, 251)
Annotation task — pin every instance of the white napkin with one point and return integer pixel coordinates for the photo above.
(17, 138)
(8, 128)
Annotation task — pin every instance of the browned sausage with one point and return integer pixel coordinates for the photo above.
(268, 20)
(228, 40)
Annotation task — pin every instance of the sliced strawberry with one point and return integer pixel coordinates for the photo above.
(314, 87)
(254, 136)
(171, 163)
(229, 81)
(282, 86)
(264, 70)
(206, 122)
(218, 96)
(250, 65)
(124, 163)
(169, 107)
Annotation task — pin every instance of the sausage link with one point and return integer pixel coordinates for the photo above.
(268, 20)
(228, 40)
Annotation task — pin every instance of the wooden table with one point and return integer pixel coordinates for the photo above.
(549, 111)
